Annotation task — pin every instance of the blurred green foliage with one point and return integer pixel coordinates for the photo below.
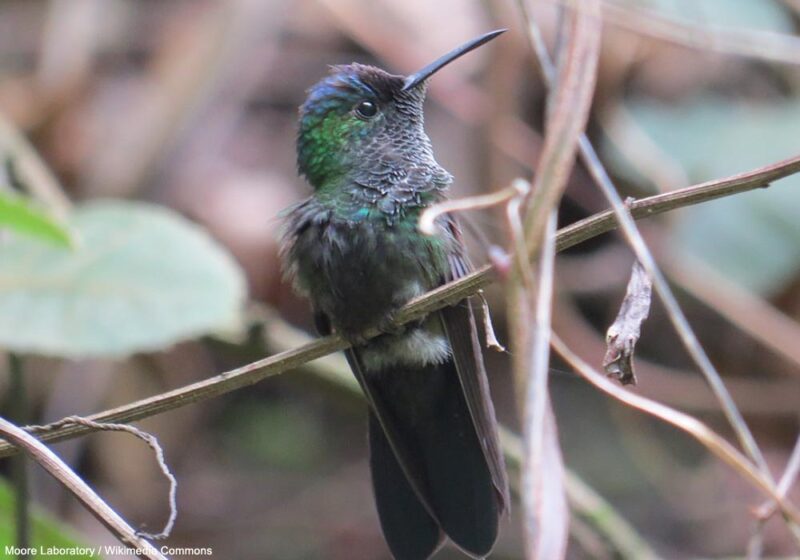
(279, 434)
(752, 238)
(143, 278)
(22, 216)
(46, 532)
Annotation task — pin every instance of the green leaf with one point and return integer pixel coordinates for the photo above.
(46, 533)
(20, 215)
(142, 279)
(752, 238)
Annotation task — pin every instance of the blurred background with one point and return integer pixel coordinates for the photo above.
(192, 105)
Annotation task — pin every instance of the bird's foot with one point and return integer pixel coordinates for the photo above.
(356, 339)
(388, 326)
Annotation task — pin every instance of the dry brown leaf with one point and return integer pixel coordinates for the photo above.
(623, 334)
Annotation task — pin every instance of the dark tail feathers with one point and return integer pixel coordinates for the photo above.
(430, 474)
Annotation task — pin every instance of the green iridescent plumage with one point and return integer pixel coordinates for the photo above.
(326, 139)
(355, 250)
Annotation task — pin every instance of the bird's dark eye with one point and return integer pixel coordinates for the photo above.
(367, 109)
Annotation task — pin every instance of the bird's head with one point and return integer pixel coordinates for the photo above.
(361, 117)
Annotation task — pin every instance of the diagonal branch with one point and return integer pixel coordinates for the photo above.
(712, 441)
(441, 297)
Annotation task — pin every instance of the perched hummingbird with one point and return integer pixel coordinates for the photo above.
(354, 249)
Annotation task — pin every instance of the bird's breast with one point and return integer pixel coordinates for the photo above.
(358, 273)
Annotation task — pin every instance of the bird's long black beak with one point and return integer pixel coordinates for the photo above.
(420, 76)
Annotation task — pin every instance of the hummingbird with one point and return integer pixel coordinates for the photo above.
(355, 250)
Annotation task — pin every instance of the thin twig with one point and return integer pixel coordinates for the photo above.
(31, 169)
(743, 309)
(151, 442)
(519, 248)
(544, 495)
(768, 509)
(606, 221)
(436, 299)
(712, 441)
(788, 479)
(428, 218)
(48, 460)
(755, 546)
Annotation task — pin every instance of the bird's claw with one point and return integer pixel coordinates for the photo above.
(356, 339)
(388, 326)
